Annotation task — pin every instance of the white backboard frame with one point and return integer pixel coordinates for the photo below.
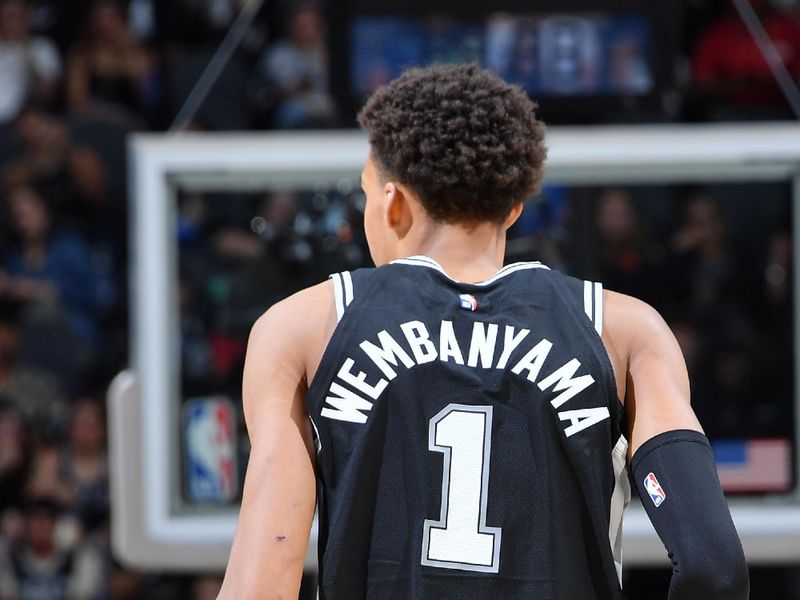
(148, 529)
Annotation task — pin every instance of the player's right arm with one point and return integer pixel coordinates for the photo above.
(688, 509)
(269, 548)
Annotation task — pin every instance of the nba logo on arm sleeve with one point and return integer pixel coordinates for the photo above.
(657, 493)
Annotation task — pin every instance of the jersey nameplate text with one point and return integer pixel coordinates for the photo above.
(350, 396)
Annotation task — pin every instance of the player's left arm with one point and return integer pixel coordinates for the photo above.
(266, 560)
(648, 359)
(669, 450)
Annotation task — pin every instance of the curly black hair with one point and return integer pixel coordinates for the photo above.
(467, 142)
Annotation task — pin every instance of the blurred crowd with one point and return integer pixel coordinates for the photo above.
(718, 268)
(242, 252)
(76, 77)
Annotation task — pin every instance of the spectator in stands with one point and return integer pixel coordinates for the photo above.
(33, 394)
(30, 66)
(775, 312)
(77, 474)
(108, 71)
(72, 177)
(84, 467)
(37, 567)
(14, 459)
(730, 70)
(729, 381)
(49, 268)
(623, 264)
(777, 272)
(703, 265)
(296, 70)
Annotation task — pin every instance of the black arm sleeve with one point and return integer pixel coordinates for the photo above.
(676, 478)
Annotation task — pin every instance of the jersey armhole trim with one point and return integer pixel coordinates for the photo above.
(593, 304)
(342, 292)
(620, 499)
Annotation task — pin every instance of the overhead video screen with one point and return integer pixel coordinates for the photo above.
(569, 54)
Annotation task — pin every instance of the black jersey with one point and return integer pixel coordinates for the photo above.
(469, 438)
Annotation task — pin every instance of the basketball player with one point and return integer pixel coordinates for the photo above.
(466, 430)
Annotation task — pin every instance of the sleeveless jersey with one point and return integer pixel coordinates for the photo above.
(469, 438)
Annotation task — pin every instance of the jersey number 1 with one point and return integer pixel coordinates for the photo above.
(460, 538)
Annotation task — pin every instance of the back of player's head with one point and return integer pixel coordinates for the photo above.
(467, 142)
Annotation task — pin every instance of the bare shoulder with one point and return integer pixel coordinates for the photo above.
(297, 312)
(633, 326)
(297, 328)
(625, 318)
(627, 315)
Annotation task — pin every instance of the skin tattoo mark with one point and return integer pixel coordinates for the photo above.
(280, 538)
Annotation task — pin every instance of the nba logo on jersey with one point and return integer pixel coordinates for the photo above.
(210, 450)
(468, 302)
(657, 493)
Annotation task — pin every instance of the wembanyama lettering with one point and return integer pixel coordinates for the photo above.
(387, 354)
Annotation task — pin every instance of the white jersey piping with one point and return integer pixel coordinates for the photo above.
(620, 499)
(593, 304)
(424, 261)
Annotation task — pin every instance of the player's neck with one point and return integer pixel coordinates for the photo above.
(468, 253)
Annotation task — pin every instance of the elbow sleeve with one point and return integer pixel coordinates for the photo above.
(676, 478)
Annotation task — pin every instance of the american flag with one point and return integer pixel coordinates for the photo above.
(754, 465)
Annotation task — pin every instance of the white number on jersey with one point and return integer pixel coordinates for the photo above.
(460, 538)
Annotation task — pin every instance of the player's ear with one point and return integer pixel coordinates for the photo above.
(397, 210)
(513, 215)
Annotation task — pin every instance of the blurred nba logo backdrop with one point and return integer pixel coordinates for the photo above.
(210, 450)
